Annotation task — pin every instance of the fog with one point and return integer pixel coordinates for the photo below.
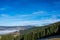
(7, 31)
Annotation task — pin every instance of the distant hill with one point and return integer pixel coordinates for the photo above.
(14, 27)
(11, 29)
(31, 32)
(40, 32)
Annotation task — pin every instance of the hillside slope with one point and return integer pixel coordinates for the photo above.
(40, 32)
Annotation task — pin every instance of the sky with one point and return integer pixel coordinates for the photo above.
(29, 12)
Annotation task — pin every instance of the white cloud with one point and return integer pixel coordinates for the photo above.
(8, 17)
(19, 20)
(7, 31)
(22, 15)
(28, 22)
(39, 12)
(26, 16)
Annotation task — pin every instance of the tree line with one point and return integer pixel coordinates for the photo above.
(34, 33)
(40, 32)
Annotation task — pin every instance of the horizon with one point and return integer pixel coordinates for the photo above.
(29, 12)
(30, 25)
(4, 30)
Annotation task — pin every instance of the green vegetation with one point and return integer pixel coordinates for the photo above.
(34, 33)
(9, 37)
(40, 32)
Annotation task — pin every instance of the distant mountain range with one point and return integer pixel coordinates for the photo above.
(14, 27)
(31, 32)
(9, 29)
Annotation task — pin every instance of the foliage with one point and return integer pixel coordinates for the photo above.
(34, 33)
(39, 32)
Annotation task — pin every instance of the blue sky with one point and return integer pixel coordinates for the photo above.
(29, 12)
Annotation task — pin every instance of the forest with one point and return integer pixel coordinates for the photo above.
(9, 37)
(35, 33)
(40, 32)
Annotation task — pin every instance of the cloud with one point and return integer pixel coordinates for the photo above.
(7, 31)
(23, 22)
(29, 19)
(39, 12)
(8, 17)
(28, 22)
(41, 22)
(22, 15)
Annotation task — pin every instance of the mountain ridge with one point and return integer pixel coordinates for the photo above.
(44, 31)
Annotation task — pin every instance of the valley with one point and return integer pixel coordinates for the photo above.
(47, 32)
